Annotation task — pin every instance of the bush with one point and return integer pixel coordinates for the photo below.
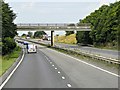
(8, 45)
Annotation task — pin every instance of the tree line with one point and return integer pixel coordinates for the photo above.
(105, 24)
(8, 28)
(37, 34)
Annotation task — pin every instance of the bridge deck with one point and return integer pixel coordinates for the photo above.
(65, 27)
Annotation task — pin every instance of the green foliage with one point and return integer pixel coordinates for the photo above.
(23, 35)
(105, 24)
(30, 34)
(39, 34)
(9, 59)
(83, 37)
(8, 29)
(8, 45)
(69, 33)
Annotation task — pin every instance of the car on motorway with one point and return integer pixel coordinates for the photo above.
(31, 48)
(25, 43)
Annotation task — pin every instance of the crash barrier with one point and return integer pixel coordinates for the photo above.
(86, 54)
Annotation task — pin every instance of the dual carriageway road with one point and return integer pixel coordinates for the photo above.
(51, 69)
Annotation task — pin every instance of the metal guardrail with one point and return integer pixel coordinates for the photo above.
(98, 57)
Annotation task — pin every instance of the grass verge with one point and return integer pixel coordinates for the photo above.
(8, 60)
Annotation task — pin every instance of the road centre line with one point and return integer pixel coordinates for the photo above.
(46, 57)
(55, 68)
(69, 85)
(63, 77)
(96, 67)
(59, 72)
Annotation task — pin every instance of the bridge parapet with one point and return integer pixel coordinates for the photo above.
(54, 26)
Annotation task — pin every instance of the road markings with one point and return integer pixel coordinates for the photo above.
(55, 68)
(63, 77)
(53, 65)
(46, 57)
(3, 84)
(69, 85)
(50, 62)
(101, 69)
(59, 72)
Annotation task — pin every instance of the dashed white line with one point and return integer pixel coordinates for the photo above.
(69, 85)
(63, 77)
(58, 71)
(55, 68)
(53, 65)
(46, 57)
(96, 67)
(50, 62)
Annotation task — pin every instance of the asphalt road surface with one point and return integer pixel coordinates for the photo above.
(51, 69)
(103, 52)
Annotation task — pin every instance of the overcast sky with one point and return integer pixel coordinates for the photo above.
(54, 11)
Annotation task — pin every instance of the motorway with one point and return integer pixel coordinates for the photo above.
(51, 69)
(102, 52)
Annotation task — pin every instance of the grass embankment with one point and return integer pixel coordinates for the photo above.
(71, 39)
(8, 60)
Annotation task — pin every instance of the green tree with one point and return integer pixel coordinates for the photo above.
(83, 37)
(8, 28)
(70, 32)
(23, 35)
(8, 45)
(30, 34)
(39, 34)
(105, 24)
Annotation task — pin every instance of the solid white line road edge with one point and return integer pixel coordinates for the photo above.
(3, 84)
(88, 64)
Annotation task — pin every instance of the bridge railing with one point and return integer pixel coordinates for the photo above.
(53, 24)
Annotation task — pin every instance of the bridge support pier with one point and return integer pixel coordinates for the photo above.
(52, 38)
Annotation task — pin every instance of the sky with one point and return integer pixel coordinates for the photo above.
(53, 11)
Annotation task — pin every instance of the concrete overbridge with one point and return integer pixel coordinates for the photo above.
(53, 27)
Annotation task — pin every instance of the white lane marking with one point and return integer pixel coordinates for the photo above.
(53, 65)
(46, 57)
(90, 64)
(69, 85)
(63, 77)
(50, 62)
(58, 71)
(3, 84)
(55, 68)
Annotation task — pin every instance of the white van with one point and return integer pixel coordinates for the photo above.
(32, 48)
